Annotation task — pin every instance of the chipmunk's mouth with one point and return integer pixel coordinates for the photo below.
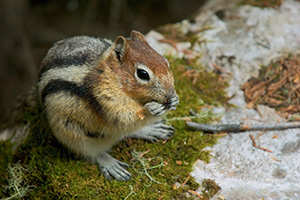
(167, 105)
(172, 102)
(169, 100)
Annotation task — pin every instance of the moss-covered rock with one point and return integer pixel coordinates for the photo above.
(54, 173)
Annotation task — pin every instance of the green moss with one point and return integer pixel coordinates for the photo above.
(210, 188)
(173, 33)
(58, 174)
(5, 158)
(197, 86)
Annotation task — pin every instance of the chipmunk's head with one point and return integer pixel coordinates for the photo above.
(145, 75)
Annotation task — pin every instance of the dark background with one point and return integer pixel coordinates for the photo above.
(28, 28)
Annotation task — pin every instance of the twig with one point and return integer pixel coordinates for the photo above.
(274, 158)
(187, 118)
(264, 149)
(185, 181)
(195, 193)
(253, 141)
(221, 69)
(170, 42)
(259, 147)
(235, 128)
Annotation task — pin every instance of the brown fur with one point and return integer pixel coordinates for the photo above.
(94, 87)
(137, 50)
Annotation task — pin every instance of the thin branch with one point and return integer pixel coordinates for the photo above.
(185, 181)
(235, 128)
(259, 147)
(195, 193)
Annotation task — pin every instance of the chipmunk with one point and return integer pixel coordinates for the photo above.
(96, 92)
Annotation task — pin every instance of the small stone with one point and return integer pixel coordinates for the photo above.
(279, 173)
(290, 147)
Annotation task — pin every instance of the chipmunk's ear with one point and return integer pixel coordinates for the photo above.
(120, 47)
(137, 36)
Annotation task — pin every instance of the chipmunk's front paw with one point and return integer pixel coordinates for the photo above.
(173, 103)
(154, 132)
(156, 109)
(112, 168)
(158, 131)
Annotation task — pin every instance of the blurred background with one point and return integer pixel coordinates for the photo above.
(28, 28)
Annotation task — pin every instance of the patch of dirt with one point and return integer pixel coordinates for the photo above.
(278, 86)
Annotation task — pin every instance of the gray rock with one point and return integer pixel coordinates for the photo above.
(241, 41)
(246, 172)
(290, 147)
(279, 173)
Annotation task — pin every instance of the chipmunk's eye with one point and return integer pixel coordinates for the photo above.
(142, 74)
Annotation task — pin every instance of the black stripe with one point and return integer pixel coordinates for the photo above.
(61, 62)
(91, 134)
(59, 85)
(77, 60)
(83, 92)
(94, 135)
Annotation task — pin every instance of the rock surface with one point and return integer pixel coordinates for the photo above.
(246, 39)
(246, 172)
(240, 40)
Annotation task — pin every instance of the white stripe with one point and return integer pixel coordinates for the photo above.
(74, 74)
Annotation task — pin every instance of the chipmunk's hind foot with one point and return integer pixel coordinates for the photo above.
(113, 168)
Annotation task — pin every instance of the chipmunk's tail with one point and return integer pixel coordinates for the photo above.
(15, 127)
